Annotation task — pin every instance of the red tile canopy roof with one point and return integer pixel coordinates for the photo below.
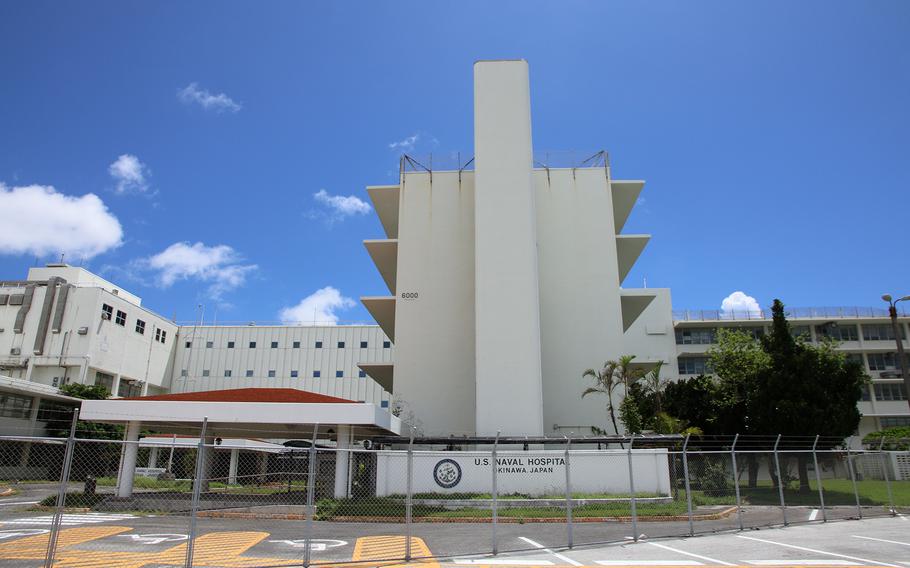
(247, 395)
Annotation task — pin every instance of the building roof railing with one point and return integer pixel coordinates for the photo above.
(458, 161)
(835, 312)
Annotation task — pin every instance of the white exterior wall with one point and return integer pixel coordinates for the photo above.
(283, 359)
(507, 303)
(434, 333)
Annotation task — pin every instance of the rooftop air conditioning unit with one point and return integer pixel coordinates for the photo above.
(15, 351)
(82, 331)
(105, 316)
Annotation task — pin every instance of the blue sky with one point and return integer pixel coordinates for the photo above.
(773, 137)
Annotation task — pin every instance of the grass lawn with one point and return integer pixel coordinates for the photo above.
(836, 491)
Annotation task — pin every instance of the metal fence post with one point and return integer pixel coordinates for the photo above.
(310, 497)
(495, 494)
(881, 457)
(818, 480)
(408, 500)
(61, 492)
(859, 509)
(197, 490)
(780, 481)
(632, 492)
(568, 495)
(739, 505)
(688, 485)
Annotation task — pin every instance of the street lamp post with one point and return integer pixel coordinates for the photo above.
(892, 311)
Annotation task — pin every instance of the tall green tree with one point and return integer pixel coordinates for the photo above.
(805, 389)
(616, 373)
(605, 382)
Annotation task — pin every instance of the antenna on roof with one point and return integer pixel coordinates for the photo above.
(644, 281)
(62, 256)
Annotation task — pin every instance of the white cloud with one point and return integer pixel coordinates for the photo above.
(740, 304)
(341, 206)
(318, 308)
(192, 94)
(38, 220)
(129, 173)
(407, 144)
(220, 265)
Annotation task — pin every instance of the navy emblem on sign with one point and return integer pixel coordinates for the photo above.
(447, 473)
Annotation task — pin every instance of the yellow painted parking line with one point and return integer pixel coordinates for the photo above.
(219, 549)
(388, 548)
(26, 548)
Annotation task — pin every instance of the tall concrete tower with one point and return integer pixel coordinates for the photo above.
(507, 305)
(506, 278)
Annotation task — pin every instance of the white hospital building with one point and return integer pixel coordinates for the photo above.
(505, 276)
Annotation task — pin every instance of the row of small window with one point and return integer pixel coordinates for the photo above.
(107, 312)
(888, 391)
(877, 362)
(294, 345)
(894, 421)
(272, 374)
(849, 332)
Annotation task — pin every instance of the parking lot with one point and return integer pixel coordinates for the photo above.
(102, 540)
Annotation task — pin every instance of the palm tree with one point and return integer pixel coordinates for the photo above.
(655, 385)
(605, 382)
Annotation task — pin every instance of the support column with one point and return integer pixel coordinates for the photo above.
(507, 305)
(263, 466)
(115, 386)
(232, 469)
(342, 460)
(128, 465)
(32, 422)
(153, 457)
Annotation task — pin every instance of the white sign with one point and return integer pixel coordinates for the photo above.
(536, 473)
(316, 544)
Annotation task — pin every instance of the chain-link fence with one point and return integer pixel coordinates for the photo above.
(95, 498)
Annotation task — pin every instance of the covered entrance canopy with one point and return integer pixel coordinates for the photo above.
(274, 413)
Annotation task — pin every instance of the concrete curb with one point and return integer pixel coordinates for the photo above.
(367, 519)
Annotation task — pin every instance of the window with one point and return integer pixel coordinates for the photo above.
(293, 374)
(755, 331)
(121, 318)
(695, 336)
(339, 374)
(386, 344)
(894, 421)
(891, 391)
(318, 345)
(140, 327)
(249, 372)
(866, 396)
(341, 345)
(296, 345)
(183, 373)
(880, 332)
(209, 344)
(274, 345)
(384, 404)
(252, 345)
(230, 344)
(188, 344)
(205, 373)
(693, 365)
(317, 374)
(882, 361)
(363, 344)
(856, 358)
(801, 331)
(271, 374)
(107, 312)
(14, 406)
(105, 380)
(227, 373)
(837, 332)
(160, 335)
(362, 374)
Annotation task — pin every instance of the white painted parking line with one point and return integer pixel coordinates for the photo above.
(502, 561)
(648, 563)
(881, 540)
(801, 562)
(816, 551)
(18, 503)
(813, 515)
(692, 554)
(70, 520)
(548, 551)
